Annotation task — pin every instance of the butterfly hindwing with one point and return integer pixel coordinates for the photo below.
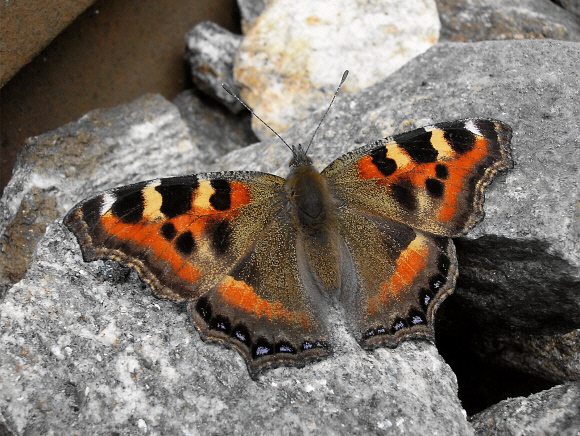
(430, 179)
(262, 306)
(402, 275)
(213, 239)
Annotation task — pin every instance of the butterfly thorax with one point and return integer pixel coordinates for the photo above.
(309, 196)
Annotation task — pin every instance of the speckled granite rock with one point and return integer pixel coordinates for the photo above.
(553, 412)
(213, 127)
(291, 60)
(88, 349)
(477, 20)
(210, 50)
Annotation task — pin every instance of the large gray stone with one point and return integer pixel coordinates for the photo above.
(85, 350)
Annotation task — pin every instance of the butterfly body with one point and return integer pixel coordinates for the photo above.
(257, 256)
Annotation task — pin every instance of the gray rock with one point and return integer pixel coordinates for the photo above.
(570, 5)
(212, 126)
(552, 412)
(210, 50)
(477, 20)
(86, 349)
(250, 10)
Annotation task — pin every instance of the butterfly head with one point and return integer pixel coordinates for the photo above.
(299, 156)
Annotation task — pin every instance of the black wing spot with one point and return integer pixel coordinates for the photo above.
(221, 198)
(425, 298)
(384, 164)
(221, 233)
(370, 333)
(168, 231)
(418, 146)
(220, 323)
(441, 171)
(92, 211)
(177, 195)
(487, 129)
(185, 243)
(435, 188)
(285, 347)
(262, 348)
(398, 324)
(436, 282)
(461, 140)
(203, 308)
(309, 345)
(416, 317)
(241, 334)
(404, 196)
(443, 264)
(130, 203)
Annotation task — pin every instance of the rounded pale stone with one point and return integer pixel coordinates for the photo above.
(291, 60)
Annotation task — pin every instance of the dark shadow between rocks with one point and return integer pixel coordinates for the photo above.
(508, 293)
(482, 382)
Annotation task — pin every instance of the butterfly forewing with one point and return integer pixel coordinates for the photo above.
(430, 179)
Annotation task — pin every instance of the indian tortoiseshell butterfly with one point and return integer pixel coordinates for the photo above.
(256, 255)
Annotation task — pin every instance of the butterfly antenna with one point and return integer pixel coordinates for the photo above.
(344, 75)
(229, 91)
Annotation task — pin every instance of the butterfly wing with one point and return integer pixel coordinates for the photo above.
(407, 195)
(219, 241)
(431, 178)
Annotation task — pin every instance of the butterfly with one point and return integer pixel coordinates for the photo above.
(257, 256)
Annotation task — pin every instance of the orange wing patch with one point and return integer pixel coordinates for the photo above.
(411, 261)
(241, 295)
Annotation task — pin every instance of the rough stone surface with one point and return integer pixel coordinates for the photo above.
(210, 50)
(88, 349)
(291, 60)
(552, 412)
(250, 10)
(213, 127)
(20, 236)
(570, 5)
(477, 20)
(554, 357)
